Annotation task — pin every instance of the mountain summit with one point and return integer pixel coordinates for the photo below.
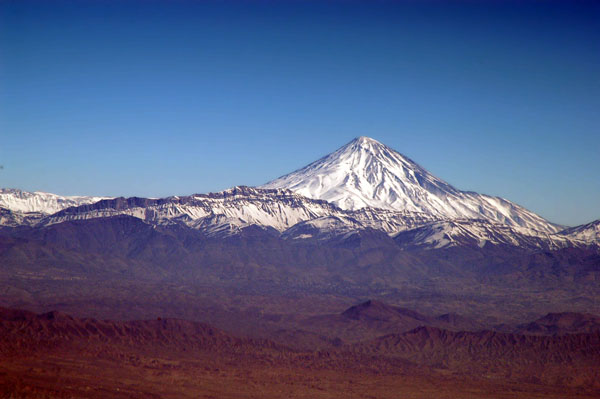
(367, 173)
(364, 173)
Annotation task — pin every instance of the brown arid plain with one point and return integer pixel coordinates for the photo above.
(54, 355)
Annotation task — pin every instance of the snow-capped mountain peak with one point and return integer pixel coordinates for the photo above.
(362, 173)
(40, 202)
(367, 173)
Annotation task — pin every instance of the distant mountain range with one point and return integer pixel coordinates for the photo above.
(444, 284)
(363, 188)
(362, 223)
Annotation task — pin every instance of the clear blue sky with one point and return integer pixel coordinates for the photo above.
(155, 98)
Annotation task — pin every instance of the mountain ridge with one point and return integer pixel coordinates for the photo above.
(41, 202)
(321, 202)
(298, 218)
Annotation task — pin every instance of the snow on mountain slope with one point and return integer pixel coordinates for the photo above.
(390, 221)
(227, 212)
(478, 233)
(296, 217)
(13, 218)
(587, 233)
(324, 228)
(39, 202)
(366, 173)
(229, 209)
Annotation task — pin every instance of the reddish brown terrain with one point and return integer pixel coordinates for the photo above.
(256, 315)
(55, 355)
(561, 323)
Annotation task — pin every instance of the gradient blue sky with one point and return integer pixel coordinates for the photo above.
(155, 98)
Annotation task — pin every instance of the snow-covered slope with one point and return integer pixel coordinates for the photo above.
(214, 212)
(587, 233)
(227, 212)
(366, 173)
(479, 233)
(323, 228)
(39, 202)
(295, 217)
(13, 218)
